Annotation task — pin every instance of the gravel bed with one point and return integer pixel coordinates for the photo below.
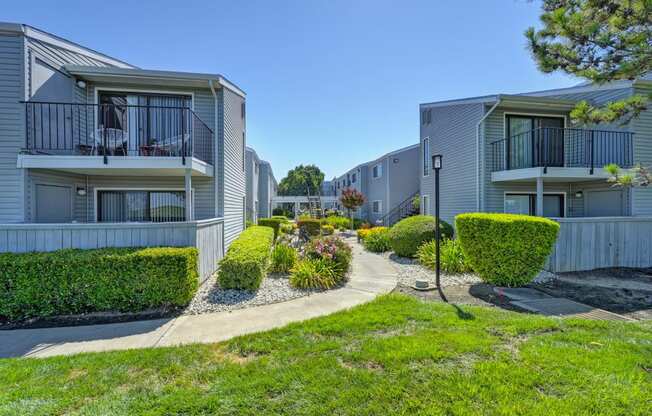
(409, 270)
(273, 289)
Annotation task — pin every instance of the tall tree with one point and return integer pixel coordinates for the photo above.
(302, 180)
(598, 40)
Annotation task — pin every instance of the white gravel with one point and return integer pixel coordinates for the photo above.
(409, 270)
(273, 289)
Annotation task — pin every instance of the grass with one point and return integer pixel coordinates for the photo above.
(396, 355)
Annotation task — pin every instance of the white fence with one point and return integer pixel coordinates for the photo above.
(206, 235)
(593, 243)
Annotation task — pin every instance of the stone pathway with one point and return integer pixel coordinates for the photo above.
(370, 276)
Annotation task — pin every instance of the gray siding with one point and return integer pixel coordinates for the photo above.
(231, 128)
(12, 90)
(253, 166)
(452, 133)
(642, 127)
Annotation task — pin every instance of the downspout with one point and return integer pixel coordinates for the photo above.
(215, 161)
(477, 152)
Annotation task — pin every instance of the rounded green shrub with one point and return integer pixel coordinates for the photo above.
(274, 223)
(376, 240)
(310, 226)
(506, 249)
(327, 229)
(247, 260)
(451, 256)
(408, 234)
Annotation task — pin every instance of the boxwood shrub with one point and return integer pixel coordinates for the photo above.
(506, 249)
(310, 226)
(408, 234)
(247, 260)
(63, 282)
(275, 223)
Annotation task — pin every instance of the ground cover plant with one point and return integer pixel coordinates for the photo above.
(324, 264)
(395, 355)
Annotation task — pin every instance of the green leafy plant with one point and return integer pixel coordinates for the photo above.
(408, 234)
(310, 226)
(341, 223)
(283, 258)
(84, 281)
(247, 260)
(312, 273)
(330, 248)
(451, 256)
(274, 223)
(282, 218)
(506, 249)
(286, 228)
(327, 229)
(377, 240)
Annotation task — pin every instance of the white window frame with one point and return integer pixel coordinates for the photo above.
(563, 193)
(379, 169)
(380, 206)
(425, 157)
(425, 204)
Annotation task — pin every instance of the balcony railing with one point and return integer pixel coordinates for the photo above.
(116, 130)
(562, 147)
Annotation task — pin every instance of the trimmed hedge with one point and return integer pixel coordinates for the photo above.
(72, 281)
(376, 240)
(407, 235)
(283, 218)
(274, 223)
(506, 249)
(247, 260)
(310, 226)
(341, 223)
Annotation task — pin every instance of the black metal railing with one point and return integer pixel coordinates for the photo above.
(405, 209)
(563, 147)
(116, 130)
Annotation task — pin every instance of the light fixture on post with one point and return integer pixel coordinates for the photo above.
(436, 166)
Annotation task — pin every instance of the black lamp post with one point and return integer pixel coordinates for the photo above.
(436, 166)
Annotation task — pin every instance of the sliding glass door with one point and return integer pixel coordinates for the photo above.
(525, 204)
(534, 141)
(141, 206)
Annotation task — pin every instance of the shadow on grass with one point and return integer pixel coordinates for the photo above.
(462, 314)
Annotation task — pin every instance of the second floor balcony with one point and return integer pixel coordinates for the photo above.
(556, 147)
(111, 132)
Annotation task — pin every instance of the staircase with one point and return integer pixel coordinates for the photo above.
(403, 210)
(314, 204)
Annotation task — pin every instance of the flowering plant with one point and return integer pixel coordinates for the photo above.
(331, 249)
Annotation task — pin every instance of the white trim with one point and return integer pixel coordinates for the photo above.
(423, 154)
(138, 188)
(534, 193)
(425, 208)
(380, 206)
(554, 173)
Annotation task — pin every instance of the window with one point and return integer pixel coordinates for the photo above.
(534, 141)
(426, 156)
(353, 178)
(377, 207)
(141, 206)
(425, 204)
(429, 116)
(242, 110)
(377, 171)
(526, 204)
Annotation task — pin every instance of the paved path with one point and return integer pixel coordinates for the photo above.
(371, 275)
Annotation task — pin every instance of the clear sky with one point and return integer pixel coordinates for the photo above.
(334, 83)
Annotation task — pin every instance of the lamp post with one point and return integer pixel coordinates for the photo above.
(436, 166)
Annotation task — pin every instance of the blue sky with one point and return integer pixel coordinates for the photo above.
(334, 83)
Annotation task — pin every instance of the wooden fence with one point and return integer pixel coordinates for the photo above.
(593, 243)
(206, 235)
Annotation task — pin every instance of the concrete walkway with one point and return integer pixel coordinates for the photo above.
(371, 275)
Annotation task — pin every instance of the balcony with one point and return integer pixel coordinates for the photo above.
(73, 136)
(565, 152)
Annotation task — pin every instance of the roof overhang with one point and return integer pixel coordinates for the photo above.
(535, 103)
(150, 77)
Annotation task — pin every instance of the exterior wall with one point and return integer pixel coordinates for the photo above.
(253, 166)
(267, 189)
(12, 125)
(642, 127)
(403, 176)
(452, 133)
(377, 190)
(231, 163)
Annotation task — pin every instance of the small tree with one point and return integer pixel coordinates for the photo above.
(351, 199)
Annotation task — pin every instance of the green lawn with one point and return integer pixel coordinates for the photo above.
(396, 355)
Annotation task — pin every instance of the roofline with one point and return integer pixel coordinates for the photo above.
(47, 37)
(153, 74)
(469, 100)
(386, 155)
